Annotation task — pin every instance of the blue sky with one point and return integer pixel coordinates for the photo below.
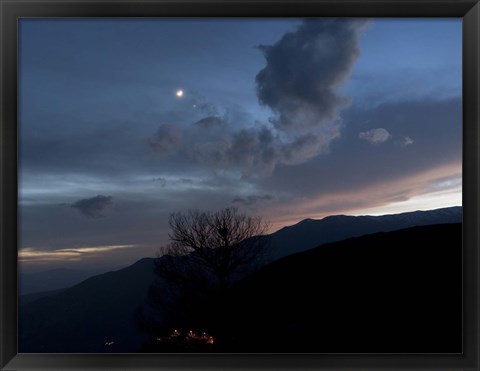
(283, 118)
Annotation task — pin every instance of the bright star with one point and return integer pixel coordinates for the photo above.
(179, 93)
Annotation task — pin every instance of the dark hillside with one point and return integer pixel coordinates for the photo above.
(86, 316)
(387, 292)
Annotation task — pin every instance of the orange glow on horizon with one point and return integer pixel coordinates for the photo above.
(397, 196)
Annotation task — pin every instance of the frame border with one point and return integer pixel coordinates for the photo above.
(11, 10)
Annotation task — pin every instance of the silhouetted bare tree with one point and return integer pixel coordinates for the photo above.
(208, 252)
(212, 246)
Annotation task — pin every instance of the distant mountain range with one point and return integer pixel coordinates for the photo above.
(103, 308)
(313, 232)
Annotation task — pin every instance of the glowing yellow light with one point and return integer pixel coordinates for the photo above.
(179, 93)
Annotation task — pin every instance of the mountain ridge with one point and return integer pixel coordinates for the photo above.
(53, 279)
(309, 233)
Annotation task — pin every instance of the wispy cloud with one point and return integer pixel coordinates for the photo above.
(375, 136)
(406, 141)
(32, 254)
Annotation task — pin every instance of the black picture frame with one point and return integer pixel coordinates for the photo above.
(12, 10)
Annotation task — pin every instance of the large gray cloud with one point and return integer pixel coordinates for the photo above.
(255, 151)
(305, 69)
(258, 151)
(93, 207)
(300, 83)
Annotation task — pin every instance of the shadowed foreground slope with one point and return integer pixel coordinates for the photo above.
(386, 292)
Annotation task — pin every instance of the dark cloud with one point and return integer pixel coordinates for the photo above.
(305, 69)
(254, 151)
(257, 152)
(303, 148)
(167, 140)
(94, 206)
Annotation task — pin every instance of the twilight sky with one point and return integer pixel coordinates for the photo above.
(283, 118)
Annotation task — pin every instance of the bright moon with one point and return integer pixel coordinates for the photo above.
(179, 93)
